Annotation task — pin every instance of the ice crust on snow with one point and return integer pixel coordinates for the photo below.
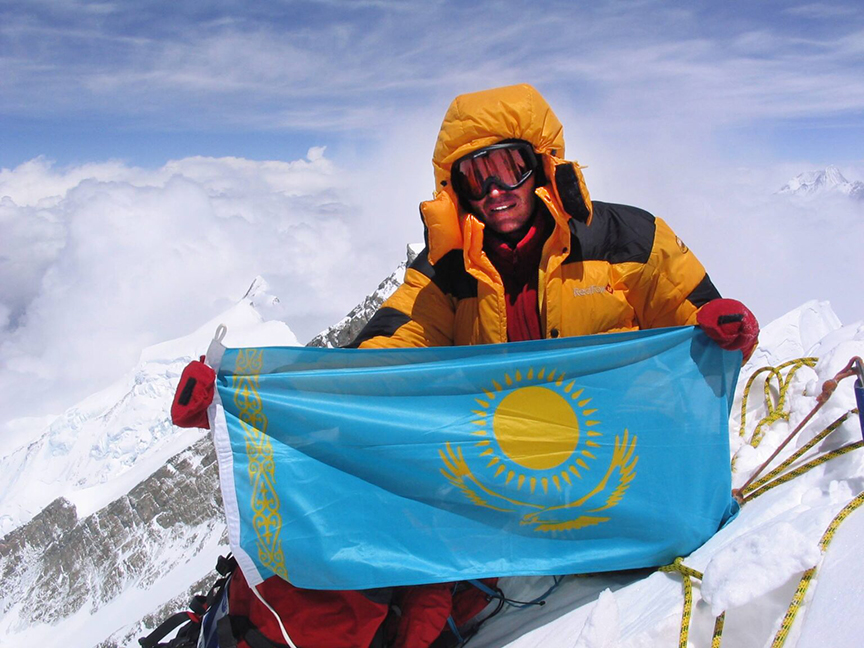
(769, 556)
(601, 627)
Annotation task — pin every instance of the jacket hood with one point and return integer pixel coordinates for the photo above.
(482, 118)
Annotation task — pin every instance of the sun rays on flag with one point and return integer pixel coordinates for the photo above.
(535, 429)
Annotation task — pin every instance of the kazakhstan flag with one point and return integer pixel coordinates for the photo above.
(354, 469)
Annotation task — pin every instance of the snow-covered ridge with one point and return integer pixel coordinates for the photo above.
(346, 329)
(102, 447)
(828, 180)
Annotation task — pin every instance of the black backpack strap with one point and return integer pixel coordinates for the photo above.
(232, 628)
(226, 565)
(225, 633)
(163, 630)
(198, 606)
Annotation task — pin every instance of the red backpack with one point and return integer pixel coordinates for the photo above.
(278, 615)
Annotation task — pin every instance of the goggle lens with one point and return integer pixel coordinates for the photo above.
(507, 165)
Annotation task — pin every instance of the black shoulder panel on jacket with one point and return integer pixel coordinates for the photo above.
(448, 274)
(617, 234)
(703, 293)
(568, 189)
(385, 322)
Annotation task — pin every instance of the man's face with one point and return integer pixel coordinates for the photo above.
(507, 212)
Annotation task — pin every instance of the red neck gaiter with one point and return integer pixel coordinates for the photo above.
(519, 264)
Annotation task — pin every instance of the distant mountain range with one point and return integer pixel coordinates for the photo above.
(826, 181)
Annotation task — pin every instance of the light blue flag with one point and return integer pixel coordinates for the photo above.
(353, 469)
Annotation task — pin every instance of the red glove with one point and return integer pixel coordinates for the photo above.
(730, 324)
(194, 394)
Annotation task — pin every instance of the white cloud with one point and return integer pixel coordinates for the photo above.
(822, 10)
(97, 262)
(773, 252)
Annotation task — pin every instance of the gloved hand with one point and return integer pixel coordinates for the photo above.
(194, 394)
(730, 324)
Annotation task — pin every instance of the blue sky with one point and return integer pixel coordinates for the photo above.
(152, 81)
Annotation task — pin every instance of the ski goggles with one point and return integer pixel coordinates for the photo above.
(507, 164)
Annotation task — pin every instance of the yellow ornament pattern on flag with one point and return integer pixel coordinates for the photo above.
(267, 520)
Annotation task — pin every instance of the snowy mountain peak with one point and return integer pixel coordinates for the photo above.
(827, 180)
(104, 445)
(259, 286)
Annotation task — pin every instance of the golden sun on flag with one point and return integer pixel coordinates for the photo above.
(533, 433)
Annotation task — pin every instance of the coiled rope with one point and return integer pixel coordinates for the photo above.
(776, 409)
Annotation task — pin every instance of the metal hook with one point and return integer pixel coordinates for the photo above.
(220, 333)
(859, 391)
(859, 371)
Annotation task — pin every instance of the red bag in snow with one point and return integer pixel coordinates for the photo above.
(193, 396)
(311, 618)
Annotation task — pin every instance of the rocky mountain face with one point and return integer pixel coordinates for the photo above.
(344, 331)
(57, 565)
(157, 542)
(825, 181)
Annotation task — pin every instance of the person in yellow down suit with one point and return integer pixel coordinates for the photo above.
(517, 250)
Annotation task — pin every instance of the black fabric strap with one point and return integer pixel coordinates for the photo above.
(255, 639)
(163, 629)
(225, 633)
(186, 394)
(231, 628)
(226, 564)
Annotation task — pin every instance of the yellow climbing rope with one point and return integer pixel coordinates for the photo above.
(804, 583)
(782, 479)
(795, 456)
(718, 630)
(828, 388)
(686, 574)
(776, 410)
(783, 473)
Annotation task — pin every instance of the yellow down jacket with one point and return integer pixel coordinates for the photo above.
(604, 268)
